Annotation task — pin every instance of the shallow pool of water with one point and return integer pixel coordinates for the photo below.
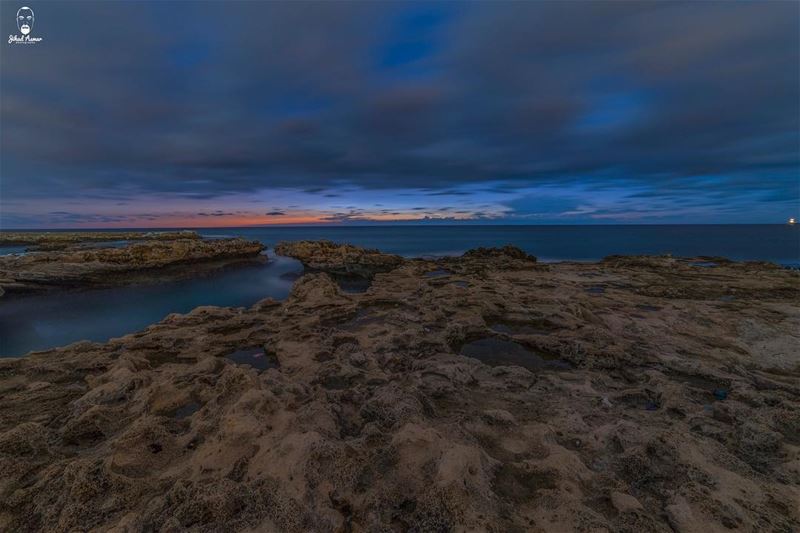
(498, 352)
(704, 264)
(15, 249)
(255, 357)
(54, 319)
(597, 289)
(185, 411)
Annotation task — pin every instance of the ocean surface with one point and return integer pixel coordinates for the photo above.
(779, 243)
(44, 321)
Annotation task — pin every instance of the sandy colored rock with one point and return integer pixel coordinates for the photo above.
(372, 419)
(54, 240)
(79, 267)
(504, 252)
(680, 516)
(341, 259)
(624, 503)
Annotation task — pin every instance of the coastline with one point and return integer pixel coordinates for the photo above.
(70, 261)
(643, 393)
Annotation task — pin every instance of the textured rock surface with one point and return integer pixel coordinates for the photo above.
(372, 421)
(79, 267)
(341, 259)
(505, 252)
(53, 240)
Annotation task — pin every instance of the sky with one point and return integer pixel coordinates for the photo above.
(184, 114)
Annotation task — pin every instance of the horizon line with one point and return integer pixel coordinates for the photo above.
(390, 225)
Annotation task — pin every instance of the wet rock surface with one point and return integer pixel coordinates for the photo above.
(373, 420)
(76, 266)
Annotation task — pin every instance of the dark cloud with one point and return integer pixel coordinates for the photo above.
(69, 217)
(344, 217)
(215, 214)
(274, 213)
(181, 99)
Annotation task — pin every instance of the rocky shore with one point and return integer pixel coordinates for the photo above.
(79, 267)
(488, 392)
(339, 259)
(54, 240)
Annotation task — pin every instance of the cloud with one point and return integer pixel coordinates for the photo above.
(665, 97)
(274, 213)
(215, 214)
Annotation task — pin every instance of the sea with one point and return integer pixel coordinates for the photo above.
(44, 321)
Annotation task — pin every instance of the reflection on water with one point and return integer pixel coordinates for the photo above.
(48, 320)
(187, 410)
(498, 352)
(107, 244)
(352, 284)
(255, 357)
(12, 249)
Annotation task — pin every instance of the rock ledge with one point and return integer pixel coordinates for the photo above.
(339, 259)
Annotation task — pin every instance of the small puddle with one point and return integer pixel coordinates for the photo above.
(186, 410)
(108, 244)
(597, 289)
(498, 352)
(727, 298)
(363, 317)
(335, 382)
(648, 308)
(353, 285)
(646, 400)
(704, 264)
(255, 357)
(717, 388)
(462, 284)
(697, 381)
(8, 250)
(440, 273)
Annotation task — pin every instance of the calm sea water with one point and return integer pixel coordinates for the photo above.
(779, 243)
(44, 321)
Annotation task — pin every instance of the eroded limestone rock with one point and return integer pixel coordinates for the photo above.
(54, 240)
(339, 259)
(374, 422)
(79, 267)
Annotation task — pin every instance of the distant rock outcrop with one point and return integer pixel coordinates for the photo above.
(339, 259)
(507, 251)
(78, 267)
(55, 240)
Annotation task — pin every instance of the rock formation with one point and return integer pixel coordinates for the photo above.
(508, 251)
(54, 240)
(466, 394)
(339, 259)
(82, 267)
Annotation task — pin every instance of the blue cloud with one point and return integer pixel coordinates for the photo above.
(459, 100)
